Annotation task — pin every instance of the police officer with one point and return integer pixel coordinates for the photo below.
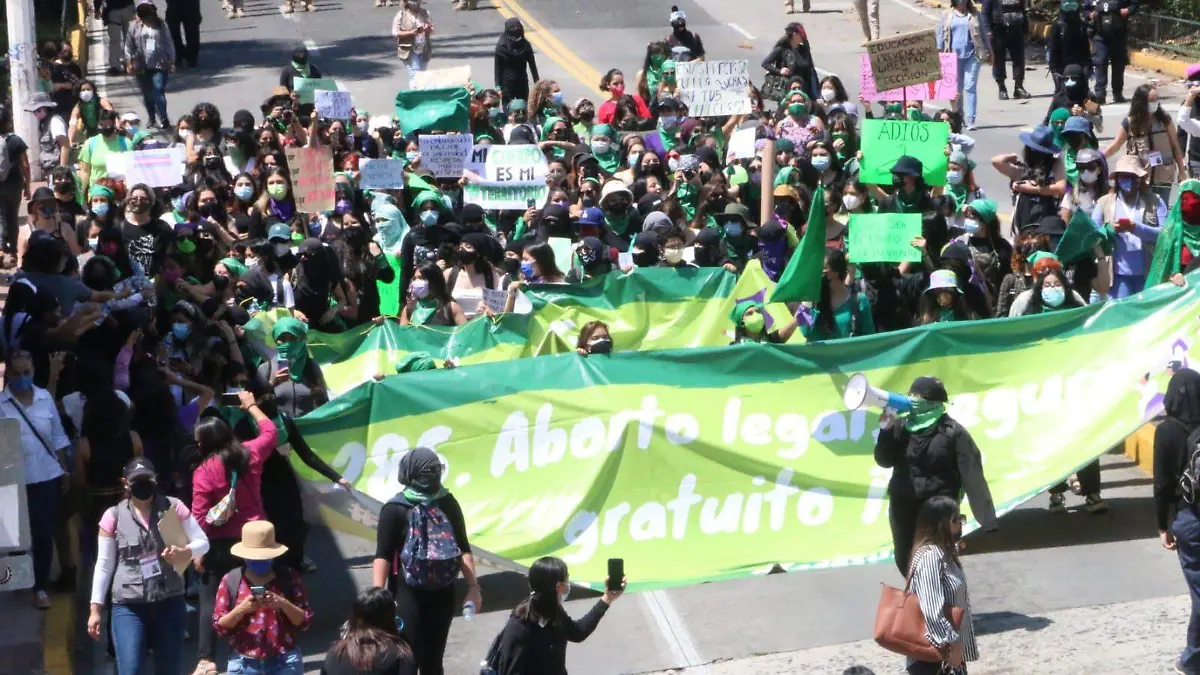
(1068, 42)
(1110, 28)
(1007, 24)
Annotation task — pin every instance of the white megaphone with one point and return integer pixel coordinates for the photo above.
(860, 393)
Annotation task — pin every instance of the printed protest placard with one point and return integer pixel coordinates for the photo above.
(883, 142)
(436, 78)
(477, 162)
(162, 167)
(381, 174)
(906, 59)
(514, 197)
(312, 178)
(494, 299)
(333, 105)
(943, 89)
(516, 164)
(509, 178)
(306, 87)
(883, 237)
(446, 155)
(714, 88)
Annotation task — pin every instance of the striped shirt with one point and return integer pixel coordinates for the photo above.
(939, 582)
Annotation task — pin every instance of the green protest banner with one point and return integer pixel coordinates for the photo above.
(306, 86)
(706, 464)
(884, 142)
(433, 110)
(883, 237)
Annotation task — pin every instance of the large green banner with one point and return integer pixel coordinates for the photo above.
(712, 463)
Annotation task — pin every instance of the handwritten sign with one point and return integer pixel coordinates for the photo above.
(505, 197)
(506, 176)
(943, 89)
(883, 142)
(437, 78)
(906, 59)
(741, 144)
(446, 155)
(477, 162)
(516, 165)
(333, 105)
(495, 299)
(714, 88)
(381, 174)
(157, 168)
(883, 237)
(312, 178)
(306, 87)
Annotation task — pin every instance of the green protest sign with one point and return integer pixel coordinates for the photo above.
(307, 86)
(706, 464)
(884, 142)
(883, 237)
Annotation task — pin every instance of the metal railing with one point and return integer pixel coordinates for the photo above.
(1179, 36)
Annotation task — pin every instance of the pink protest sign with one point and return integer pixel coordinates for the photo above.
(942, 90)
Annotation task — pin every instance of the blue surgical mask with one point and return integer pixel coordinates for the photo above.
(179, 204)
(1126, 183)
(132, 130)
(556, 98)
(527, 270)
(970, 226)
(244, 192)
(1070, 83)
(259, 567)
(411, 157)
(733, 229)
(21, 383)
(429, 217)
(820, 162)
(668, 121)
(100, 210)
(1053, 296)
(181, 330)
(954, 177)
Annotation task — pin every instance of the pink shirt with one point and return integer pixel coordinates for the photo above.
(210, 485)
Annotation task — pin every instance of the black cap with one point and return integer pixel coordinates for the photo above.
(908, 165)
(1051, 225)
(138, 468)
(929, 388)
(42, 194)
(956, 251)
(472, 213)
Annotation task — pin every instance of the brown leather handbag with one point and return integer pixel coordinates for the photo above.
(900, 625)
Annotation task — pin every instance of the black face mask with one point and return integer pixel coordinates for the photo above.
(207, 210)
(142, 489)
(512, 266)
(645, 258)
(587, 114)
(212, 162)
(467, 257)
(601, 346)
(108, 131)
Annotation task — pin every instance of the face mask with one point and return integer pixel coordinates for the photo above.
(179, 205)
(496, 115)
(419, 288)
(527, 270)
(796, 109)
(970, 225)
(181, 330)
(100, 209)
(633, 159)
(1126, 183)
(93, 242)
(1070, 83)
(820, 162)
(828, 95)
(186, 246)
(87, 95)
(734, 230)
(131, 130)
(1053, 296)
(244, 192)
(954, 177)
(754, 323)
(601, 147)
(21, 383)
(556, 98)
(411, 157)
(587, 114)
(259, 568)
(851, 202)
(277, 191)
(208, 210)
(282, 250)
(138, 207)
(914, 115)
(1090, 176)
(429, 218)
(565, 594)
(673, 255)
(600, 346)
(362, 126)
(617, 90)
(108, 131)
(1152, 106)
(467, 257)
(669, 122)
(142, 490)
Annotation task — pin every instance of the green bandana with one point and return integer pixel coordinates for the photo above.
(666, 138)
(911, 204)
(296, 351)
(301, 68)
(422, 311)
(281, 429)
(234, 265)
(618, 225)
(945, 316)
(415, 497)
(232, 414)
(686, 194)
(1071, 168)
(186, 246)
(924, 415)
(91, 113)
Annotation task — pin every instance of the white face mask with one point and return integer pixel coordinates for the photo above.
(362, 126)
(87, 95)
(1153, 107)
(954, 177)
(1089, 176)
(970, 225)
(828, 95)
(851, 202)
(601, 147)
(282, 250)
(673, 255)
(1069, 83)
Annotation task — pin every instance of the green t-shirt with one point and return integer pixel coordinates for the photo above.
(96, 151)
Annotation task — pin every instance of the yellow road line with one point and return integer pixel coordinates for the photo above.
(543, 39)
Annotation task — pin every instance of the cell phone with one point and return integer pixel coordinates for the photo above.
(258, 591)
(230, 398)
(616, 574)
(530, 204)
(281, 363)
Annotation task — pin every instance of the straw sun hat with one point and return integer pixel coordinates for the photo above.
(258, 542)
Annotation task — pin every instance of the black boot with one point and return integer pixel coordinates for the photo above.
(1003, 91)
(1019, 92)
(1119, 97)
(1099, 96)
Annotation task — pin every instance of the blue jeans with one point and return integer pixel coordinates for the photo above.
(968, 81)
(291, 663)
(155, 625)
(1186, 529)
(42, 499)
(153, 84)
(416, 63)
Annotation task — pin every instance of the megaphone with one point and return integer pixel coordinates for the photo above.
(860, 393)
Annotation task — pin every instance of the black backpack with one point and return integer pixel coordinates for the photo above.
(1189, 478)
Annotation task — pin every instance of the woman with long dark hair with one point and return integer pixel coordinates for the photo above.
(534, 641)
(939, 582)
(842, 311)
(472, 272)
(430, 302)
(371, 643)
(1049, 291)
(649, 77)
(791, 57)
(1149, 133)
(226, 494)
(942, 301)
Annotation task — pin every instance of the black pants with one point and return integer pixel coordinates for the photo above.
(1106, 51)
(10, 212)
(285, 508)
(427, 615)
(1012, 43)
(922, 668)
(217, 563)
(902, 516)
(185, 25)
(1089, 480)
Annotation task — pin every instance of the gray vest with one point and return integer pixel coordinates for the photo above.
(134, 541)
(48, 151)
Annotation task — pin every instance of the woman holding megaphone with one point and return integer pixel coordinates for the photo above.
(930, 455)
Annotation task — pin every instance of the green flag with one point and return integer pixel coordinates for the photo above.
(1079, 238)
(433, 109)
(801, 281)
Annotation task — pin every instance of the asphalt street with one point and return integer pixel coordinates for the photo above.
(1036, 568)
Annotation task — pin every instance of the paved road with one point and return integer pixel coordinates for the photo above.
(1024, 579)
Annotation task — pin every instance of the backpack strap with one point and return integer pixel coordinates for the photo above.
(233, 581)
(453, 278)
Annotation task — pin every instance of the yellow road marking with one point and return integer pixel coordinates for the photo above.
(543, 39)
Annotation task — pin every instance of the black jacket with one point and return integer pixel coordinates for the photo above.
(528, 648)
(945, 466)
(1068, 43)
